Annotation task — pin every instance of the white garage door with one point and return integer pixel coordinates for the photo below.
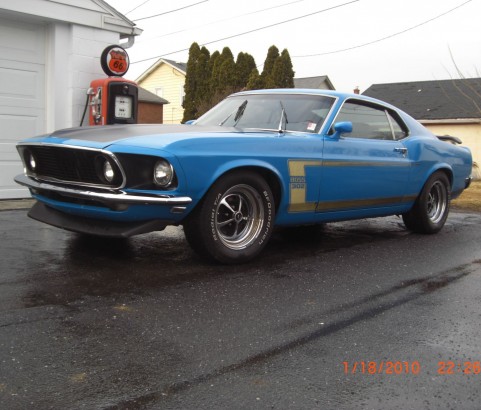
(22, 96)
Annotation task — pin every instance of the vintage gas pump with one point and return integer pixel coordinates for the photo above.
(113, 100)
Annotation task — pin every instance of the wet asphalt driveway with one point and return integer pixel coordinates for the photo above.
(356, 315)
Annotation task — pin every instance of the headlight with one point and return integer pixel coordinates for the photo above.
(163, 173)
(109, 173)
(32, 163)
(29, 160)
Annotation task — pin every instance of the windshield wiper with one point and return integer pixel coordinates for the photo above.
(283, 118)
(238, 114)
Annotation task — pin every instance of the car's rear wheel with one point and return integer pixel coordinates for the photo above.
(431, 209)
(234, 221)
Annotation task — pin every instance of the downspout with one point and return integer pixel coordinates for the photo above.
(129, 43)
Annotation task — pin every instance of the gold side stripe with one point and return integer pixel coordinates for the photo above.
(328, 163)
(329, 206)
(361, 203)
(303, 207)
(298, 167)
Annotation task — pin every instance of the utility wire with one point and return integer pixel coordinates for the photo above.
(252, 31)
(136, 7)
(386, 37)
(222, 20)
(171, 11)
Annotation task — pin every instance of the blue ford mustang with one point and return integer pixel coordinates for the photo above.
(258, 159)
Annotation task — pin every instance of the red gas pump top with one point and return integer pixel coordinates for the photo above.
(113, 100)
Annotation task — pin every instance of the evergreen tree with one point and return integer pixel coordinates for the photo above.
(218, 74)
(203, 78)
(206, 103)
(245, 63)
(210, 78)
(282, 75)
(213, 58)
(272, 56)
(255, 80)
(227, 76)
(223, 76)
(190, 86)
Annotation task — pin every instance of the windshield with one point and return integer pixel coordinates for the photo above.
(279, 112)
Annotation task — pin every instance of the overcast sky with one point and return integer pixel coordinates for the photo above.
(353, 42)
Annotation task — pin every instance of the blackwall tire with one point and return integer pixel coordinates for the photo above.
(430, 211)
(234, 221)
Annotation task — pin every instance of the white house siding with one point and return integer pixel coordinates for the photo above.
(44, 78)
(74, 61)
(87, 46)
(49, 53)
(22, 95)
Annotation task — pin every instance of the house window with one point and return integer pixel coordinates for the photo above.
(182, 95)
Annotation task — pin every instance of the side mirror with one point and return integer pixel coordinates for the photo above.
(189, 122)
(341, 128)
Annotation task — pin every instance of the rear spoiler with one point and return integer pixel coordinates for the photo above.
(449, 138)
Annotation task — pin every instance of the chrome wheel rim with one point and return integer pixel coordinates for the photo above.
(239, 217)
(437, 202)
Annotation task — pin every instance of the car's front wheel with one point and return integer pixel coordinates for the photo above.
(234, 221)
(431, 208)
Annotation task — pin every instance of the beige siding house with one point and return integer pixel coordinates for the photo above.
(166, 79)
(469, 131)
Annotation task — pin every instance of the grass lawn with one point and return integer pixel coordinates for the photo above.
(470, 199)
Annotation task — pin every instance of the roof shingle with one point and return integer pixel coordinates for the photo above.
(433, 100)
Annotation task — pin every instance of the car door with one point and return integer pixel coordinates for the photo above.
(368, 168)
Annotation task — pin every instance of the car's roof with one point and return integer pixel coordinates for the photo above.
(313, 91)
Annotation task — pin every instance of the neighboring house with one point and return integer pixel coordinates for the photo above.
(446, 107)
(166, 79)
(49, 53)
(321, 83)
(151, 108)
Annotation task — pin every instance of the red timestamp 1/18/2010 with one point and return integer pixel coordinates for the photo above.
(382, 367)
(399, 367)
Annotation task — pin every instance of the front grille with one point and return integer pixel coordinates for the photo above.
(72, 165)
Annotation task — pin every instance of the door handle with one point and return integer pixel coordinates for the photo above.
(402, 150)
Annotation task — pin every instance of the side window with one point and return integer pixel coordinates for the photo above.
(367, 121)
(398, 128)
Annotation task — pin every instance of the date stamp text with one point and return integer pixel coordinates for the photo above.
(399, 367)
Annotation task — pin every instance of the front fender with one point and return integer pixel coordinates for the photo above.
(201, 177)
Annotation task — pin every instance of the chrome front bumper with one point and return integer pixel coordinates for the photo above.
(116, 197)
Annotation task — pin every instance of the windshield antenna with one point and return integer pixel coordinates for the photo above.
(283, 118)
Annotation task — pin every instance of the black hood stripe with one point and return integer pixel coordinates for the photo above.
(111, 133)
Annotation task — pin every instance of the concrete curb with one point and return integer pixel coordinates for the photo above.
(11, 204)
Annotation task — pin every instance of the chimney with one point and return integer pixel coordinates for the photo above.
(356, 90)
